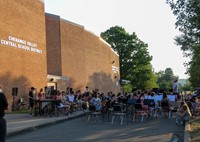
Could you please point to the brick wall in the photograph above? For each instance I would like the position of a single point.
(99, 64)
(73, 54)
(54, 64)
(24, 20)
(85, 58)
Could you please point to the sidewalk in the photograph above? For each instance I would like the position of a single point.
(20, 123)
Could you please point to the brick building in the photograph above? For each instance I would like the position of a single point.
(22, 46)
(79, 57)
(39, 50)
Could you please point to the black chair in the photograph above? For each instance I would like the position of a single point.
(130, 108)
(93, 112)
(118, 111)
(131, 101)
(165, 108)
(149, 102)
(140, 111)
(85, 109)
(151, 106)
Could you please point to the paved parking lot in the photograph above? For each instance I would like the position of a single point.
(78, 130)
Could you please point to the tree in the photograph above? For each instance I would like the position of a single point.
(127, 88)
(187, 14)
(187, 86)
(166, 79)
(134, 57)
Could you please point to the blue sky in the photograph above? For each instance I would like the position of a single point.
(151, 20)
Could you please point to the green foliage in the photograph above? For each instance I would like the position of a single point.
(187, 14)
(127, 88)
(134, 57)
(186, 87)
(166, 79)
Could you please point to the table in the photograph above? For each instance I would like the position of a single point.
(41, 104)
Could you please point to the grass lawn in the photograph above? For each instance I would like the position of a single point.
(195, 130)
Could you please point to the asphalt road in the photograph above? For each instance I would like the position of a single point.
(78, 130)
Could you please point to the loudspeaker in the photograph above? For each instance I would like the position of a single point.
(14, 91)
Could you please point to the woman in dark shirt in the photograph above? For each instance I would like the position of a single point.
(31, 100)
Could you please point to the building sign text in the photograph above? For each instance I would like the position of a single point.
(21, 44)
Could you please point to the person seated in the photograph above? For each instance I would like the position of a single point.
(193, 106)
(71, 97)
(135, 95)
(79, 102)
(183, 115)
(120, 97)
(63, 104)
(150, 100)
(96, 101)
(165, 105)
(141, 101)
(64, 107)
(21, 103)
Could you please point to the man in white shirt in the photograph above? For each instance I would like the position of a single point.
(71, 97)
(175, 87)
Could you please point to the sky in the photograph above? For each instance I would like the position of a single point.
(151, 20)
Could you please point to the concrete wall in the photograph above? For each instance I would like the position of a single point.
(22, 46)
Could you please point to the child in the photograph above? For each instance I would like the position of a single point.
(184, 115)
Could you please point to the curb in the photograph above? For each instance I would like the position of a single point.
(34, 128)
(187, 132)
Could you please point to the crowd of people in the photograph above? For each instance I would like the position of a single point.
(69, 101)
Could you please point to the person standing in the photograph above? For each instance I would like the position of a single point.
(3, 107)
(40, 95)
(31, 100)
(175, 90)
(175, 87)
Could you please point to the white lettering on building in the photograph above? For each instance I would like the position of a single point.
(115, 69)
(21, 44)
(8, 43)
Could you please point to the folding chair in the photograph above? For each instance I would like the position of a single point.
(165, 108)
(130, 109)
(93, 112)
(118, 112)
(140, 111)
(151, 106)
